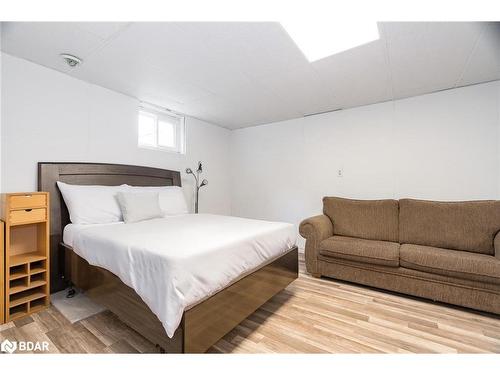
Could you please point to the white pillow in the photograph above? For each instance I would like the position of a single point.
(92, 204)
(138, 206)
(172, 200)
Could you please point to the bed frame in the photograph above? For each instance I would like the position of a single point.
(203, 324)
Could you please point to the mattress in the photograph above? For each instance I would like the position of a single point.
(176, 262)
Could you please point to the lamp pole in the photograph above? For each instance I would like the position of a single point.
(198, 185)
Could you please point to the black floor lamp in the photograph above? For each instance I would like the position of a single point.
(198, 184)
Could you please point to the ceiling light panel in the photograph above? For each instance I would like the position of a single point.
(318, 40)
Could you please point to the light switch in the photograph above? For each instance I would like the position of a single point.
(340, 173)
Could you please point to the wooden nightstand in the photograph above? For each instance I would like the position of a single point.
(27, 274)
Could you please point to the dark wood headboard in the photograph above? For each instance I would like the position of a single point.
(89, 174)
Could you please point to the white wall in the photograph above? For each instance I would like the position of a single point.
(50, 116)
(437, 146)
(442, 146)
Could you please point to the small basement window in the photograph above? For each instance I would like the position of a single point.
(161, 130)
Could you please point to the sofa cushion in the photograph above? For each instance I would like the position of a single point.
(367, 251)
(368, 219)
(460, 264)
(469, 226)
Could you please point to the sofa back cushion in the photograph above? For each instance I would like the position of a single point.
(469, 226)
(368, 219)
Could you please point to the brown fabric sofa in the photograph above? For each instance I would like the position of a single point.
(445, 251)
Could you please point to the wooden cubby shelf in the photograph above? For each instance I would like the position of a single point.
(19, 259)
(37, 305)
(22, 288)
(24, 297)
(18, 311)
(37, 270)
(18, 272)
(26, 246)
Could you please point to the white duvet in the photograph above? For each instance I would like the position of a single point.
(176, 262)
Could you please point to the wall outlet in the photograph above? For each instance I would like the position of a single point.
(340, 173)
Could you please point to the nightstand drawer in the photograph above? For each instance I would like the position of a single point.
(28, 215)
(28, 200)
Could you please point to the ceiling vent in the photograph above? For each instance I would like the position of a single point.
(71, 60)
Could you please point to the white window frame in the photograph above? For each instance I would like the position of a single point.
(179, 130)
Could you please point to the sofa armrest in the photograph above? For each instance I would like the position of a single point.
(496, 244)
(315, 229)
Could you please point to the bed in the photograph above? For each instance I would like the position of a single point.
(228, 267)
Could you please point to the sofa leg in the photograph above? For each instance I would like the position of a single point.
(317, 275)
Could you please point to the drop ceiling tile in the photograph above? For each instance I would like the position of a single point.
(301, 89)
(103, 30)
(219, 80)
(233, 54)
(484, 64)
(42, 42)
(175, 52)
(359, 75)
(169, 86)
(138, 79)
(112, 66)
(209, 106)
(428, 56)
(160, 44)
(161, 100)
(243, 109)
(256, 48)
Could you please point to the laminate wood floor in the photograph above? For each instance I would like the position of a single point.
(310, 316)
